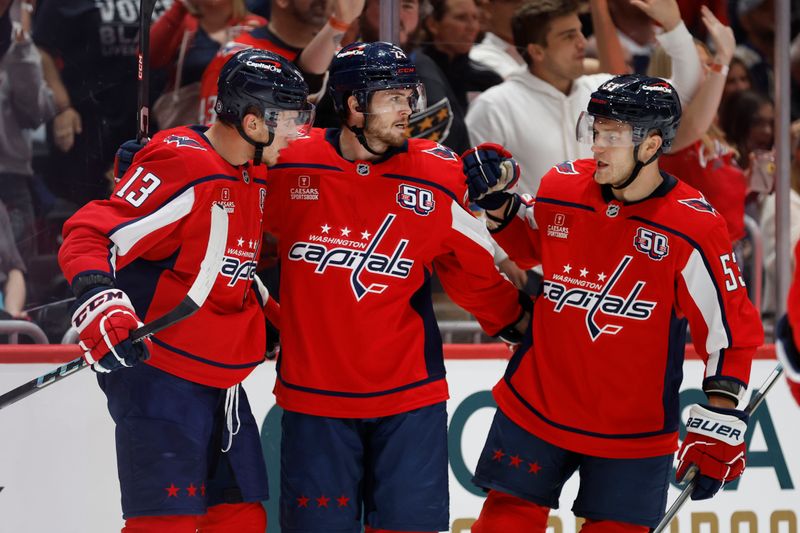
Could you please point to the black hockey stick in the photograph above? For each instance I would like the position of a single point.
(143, 75)
(198, 292)
(755, 401)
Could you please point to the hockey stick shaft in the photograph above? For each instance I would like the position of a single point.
(143, 72)
(198, 292)
(755, 401)
(49, 304)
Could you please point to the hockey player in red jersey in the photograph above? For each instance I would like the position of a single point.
(363, 216)
(188, 448)
(629, 255)
(788, 334)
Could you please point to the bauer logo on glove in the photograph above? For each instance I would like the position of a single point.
(715, 445)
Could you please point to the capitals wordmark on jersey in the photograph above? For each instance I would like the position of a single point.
(356, 256)
(596, 298)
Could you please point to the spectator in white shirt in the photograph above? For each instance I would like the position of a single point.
(496, 50)
(534, 112)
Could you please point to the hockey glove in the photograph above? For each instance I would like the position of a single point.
(124, 157)
(715, 444)
(104, 318)
(490, 171)
(788, 355)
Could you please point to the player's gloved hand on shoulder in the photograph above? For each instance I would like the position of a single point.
(124, 157)
(788, 355)
(104, 318)
(491, 171)
(715, 444)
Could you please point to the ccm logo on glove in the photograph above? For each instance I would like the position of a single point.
(102, 300)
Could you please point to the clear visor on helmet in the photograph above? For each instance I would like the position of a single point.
(603, 132)
(290, 123)
(397, 100)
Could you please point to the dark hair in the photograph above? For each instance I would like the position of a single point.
(736, 115)
(531, 22)
(437, 9)
(738, 61)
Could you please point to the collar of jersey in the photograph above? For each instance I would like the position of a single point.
(332, 136)
(667, 184)
(200, 130)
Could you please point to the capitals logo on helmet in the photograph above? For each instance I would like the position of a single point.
(259, 79)
(647, 104)
(360, 69)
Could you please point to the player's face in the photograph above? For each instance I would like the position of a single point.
(565, 48)
(613, 151)
(388, 116)
(286, 126)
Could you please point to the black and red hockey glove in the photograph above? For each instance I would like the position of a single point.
(491, 171)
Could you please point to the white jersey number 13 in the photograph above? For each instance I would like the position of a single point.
(149, 183)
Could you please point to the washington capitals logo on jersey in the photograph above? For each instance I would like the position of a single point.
(441, 152)
(361, 258)
(184, 141)
(596, 299)
(238, 269)
(699, 204)
(651, 243)
(416, 199)
(566, 168)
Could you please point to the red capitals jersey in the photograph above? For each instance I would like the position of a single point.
(793, 303)
(601, 375)
(258, 38)
(358, 243)
(151, 235)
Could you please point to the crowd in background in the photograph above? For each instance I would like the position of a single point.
(493, 70)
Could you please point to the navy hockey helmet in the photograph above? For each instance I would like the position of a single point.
(647, 104)
(259, 79)
(255, 80)
(360, 69)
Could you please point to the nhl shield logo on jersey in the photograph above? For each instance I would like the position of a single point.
(416, 199)
(612, 210)
(362, 169)
(183, 141)
(651, 243)
(699, 204)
